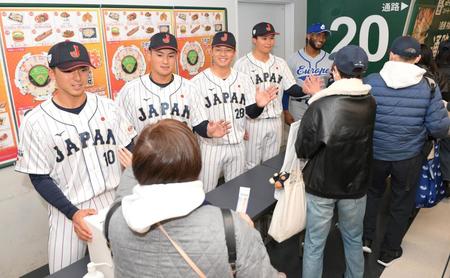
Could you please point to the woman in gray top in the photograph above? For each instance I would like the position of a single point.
(166, 163)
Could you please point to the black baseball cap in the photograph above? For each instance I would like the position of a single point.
(163, 40)
(263, 29)
(68, 55)
(406, 46)
(224, 39)
(351, 60)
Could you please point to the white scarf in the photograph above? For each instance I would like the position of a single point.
(346, 86)
(150, 204)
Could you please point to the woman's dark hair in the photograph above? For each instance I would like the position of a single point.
(426, 58)
(443, 56)
(166, 152)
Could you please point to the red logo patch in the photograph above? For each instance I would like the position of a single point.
(224, 38)
(268, 28)
(102, 119)
(166, 39)
(75, 53)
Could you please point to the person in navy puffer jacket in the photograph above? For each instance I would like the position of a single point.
(407, 112)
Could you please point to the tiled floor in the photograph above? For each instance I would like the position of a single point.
(426, 246)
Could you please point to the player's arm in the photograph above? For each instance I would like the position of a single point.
(294, 91)
(253, 111)
(199, 118)
(288, 118)
(48, 189)
(210, 129)
(262, 98)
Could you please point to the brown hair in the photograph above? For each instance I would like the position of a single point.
(166, 152)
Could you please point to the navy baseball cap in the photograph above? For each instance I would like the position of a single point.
(317, 28)
(224, 39)
(263, 29)
(163, 40)
(406, 46)
(68, 55)
(351, 60)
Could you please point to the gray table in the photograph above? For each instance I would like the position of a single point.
(275, 162)
(75, 270)
(261, 193)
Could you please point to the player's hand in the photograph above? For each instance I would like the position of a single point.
(288, 118)
(247, 219)
(312, 85)
(218, 129)
(246, 135)
(79, 226)
(262, 98)
(125, 157)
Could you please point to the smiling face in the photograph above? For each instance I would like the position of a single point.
(317, 40)
(264, 44)
(72, 83)
(222, 56)
(163, 62)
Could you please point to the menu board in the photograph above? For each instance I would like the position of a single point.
(431, 24)
(127, 33)
(194, 32)
(8, 146)
(27, 35)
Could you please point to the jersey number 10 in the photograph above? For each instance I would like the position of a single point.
(110, 158)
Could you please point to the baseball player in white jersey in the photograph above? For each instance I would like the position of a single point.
(225, 94)
(266, 70)
(159, 94)
(69, 147)
(310, 60)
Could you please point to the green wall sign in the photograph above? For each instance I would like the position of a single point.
(373, 25)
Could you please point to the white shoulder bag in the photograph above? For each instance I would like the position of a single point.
(289, 216)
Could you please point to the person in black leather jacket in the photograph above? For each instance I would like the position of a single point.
(335, 136)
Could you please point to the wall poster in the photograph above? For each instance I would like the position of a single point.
(127, 34)
(194, 31)
(8, 140)
(27, 35)
(430, 22)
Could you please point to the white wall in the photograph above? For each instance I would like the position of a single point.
(295, 24)
(23, 214)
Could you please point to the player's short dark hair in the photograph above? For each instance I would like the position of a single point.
(166, 152)
(357, 74)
